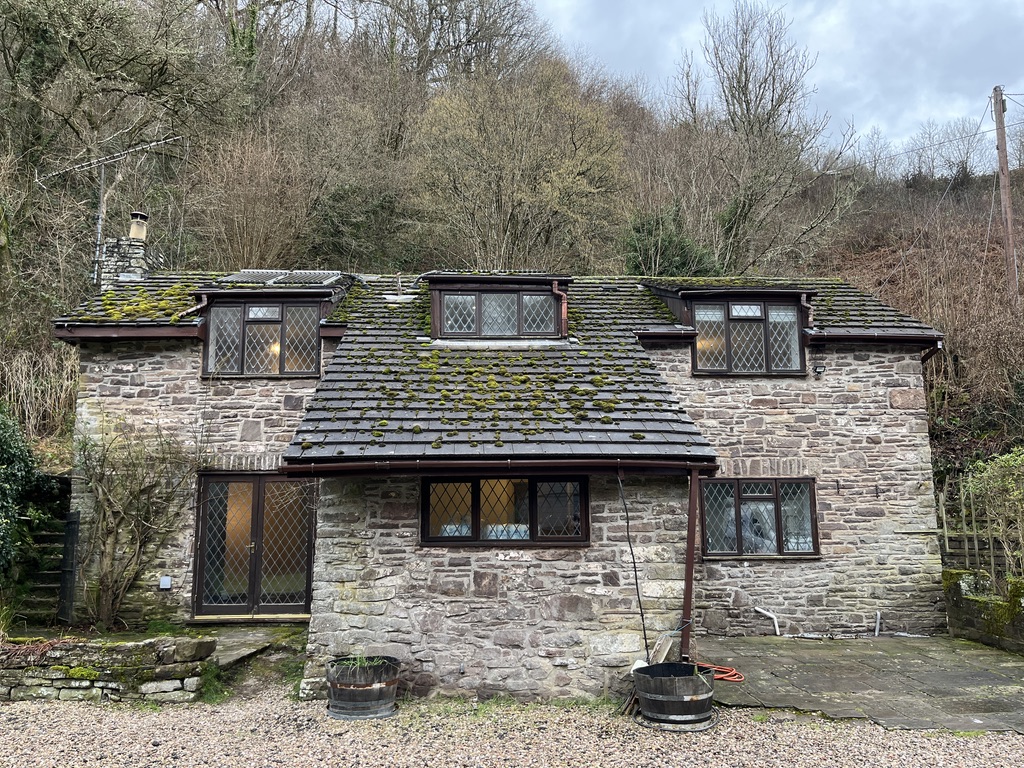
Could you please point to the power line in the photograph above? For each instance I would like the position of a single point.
(953, 140)
(935, 211)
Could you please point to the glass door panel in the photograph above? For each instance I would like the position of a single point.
(228, 546)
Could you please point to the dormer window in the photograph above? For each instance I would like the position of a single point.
(498, 314)
(747, 336)
(263, 339)
(498, 306)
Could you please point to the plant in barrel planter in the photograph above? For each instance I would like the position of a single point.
(676, 695)
(362, 687)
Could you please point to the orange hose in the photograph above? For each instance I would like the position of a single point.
(726, 674)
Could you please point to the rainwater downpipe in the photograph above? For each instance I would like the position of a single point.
(772, 616)
(203, 301)
(691, 549)
(564, 302)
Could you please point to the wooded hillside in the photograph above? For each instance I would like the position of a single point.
(408, 135)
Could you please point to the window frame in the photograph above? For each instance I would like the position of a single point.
(475, 539)
(241, 335)
(731, 320)
(739, 497)
(477, 332)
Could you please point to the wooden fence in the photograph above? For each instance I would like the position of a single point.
(968, 539)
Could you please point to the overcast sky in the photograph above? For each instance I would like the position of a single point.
(887, 63)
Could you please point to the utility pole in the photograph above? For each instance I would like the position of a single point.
(1010, 253)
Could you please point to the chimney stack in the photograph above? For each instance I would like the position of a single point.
(124, 258)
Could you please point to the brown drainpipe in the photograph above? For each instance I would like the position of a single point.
(565, 307)
(691, 550)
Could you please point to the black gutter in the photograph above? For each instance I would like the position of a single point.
(73, 333)
(923, 339)
(477, 467)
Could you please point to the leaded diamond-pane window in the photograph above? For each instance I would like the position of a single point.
(224, 349)
(758, 517)
(498, 314)
(747, 337)
(257, 312)
(719, 518)
(263, 339)
(558, 509)
(227, 546)
(709, 320)
(451, 510)
(504, 511)
(301, 339)
(783, 338)
(285, 544)
(459, 314)
(263, 348)
(740, 311)
(747, 347)
(797, 531)
(255, 537)
(538, 314)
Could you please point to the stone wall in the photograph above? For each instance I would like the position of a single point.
(529, 622)
(977, 614)
(234, 424)
(861, 430)
(166, 670)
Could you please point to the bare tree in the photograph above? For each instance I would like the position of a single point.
(252, 202)
(441, 40)
(876, 156)
(522, 171)
(139, 482)
(748, 122)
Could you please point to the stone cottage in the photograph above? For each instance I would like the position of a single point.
(491, 476)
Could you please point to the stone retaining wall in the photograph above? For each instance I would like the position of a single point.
(166, 669)
(976, 614)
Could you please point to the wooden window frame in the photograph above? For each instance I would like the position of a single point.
(475, 538)
(738, 497)
(258, 483)
(438, 326)
(726, 305)
(241, 335)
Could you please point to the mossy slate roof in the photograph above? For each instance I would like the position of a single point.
(158, 299)
(392, 394)
(162, 299)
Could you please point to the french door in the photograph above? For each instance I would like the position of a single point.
(255, 546)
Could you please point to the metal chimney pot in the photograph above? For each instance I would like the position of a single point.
(139, 227)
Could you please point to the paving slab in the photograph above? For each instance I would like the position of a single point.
(896, 681)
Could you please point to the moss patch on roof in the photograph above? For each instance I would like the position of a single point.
(160, 299)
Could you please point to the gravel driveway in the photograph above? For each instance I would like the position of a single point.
(267, 728)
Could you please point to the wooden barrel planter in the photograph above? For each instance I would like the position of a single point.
(362, 687)
(675, 693)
